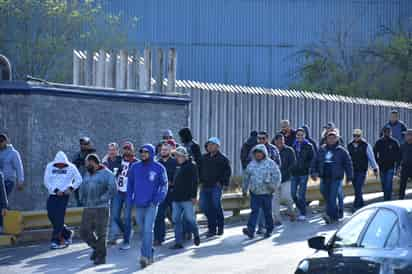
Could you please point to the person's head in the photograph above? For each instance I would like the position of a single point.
(330, 126)
(113, 150)
(185, 135)
(128, 149)
(387, 131)
(171, 143)
(92, 163)
(84, 143)
(300, 135)
(147, 152)
(279, 141)
(4, 140)
(332, 138)
(394, 116)
(259, 152)
(213, 145)
(357, 135)
(181, 155)
(284, 126)
(253, 134)
(165, 150)
(263, 137)
(408, 136)
(167, 135)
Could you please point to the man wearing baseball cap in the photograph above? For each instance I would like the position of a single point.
(215, 175)
(331, 164)
(406, 163)
(362, 157)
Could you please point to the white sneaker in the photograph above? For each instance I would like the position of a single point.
(125, 246)
(301, 218)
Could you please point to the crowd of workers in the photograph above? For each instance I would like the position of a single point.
(163, 183)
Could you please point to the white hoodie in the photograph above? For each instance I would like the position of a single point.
(60, 174)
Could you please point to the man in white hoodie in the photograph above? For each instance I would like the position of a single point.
(61, 178)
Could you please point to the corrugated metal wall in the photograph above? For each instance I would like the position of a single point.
(250, 42)
(231, 112)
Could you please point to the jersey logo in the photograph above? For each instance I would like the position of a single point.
(152, 176)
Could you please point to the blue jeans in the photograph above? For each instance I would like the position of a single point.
(211, 205)
(257, 203)
(145, 219)
(358, 182)
(386, 181)
(116, 222)
(160, 223)
(9, 185)
(298, 191)
(341, 197)
(184, 211)
(330, 190)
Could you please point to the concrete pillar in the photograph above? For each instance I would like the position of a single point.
(110, 70)
(171, 71)
(142, 74)
(117, 78)
(148, 69)
(160, 69)
(88, 71)
(123, 69)
(76, 67)
(94, 69)
(131, 72)
(100, 66)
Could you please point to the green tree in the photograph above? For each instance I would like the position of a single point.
(38, 36)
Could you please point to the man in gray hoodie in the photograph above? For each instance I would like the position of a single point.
(11, 167)
(262, 178)
(96, 192)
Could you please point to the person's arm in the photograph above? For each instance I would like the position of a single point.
(227, 172)
(276, 176)
(245, 181)
(195, 182)
(314, 170)
(398, 155)
(130, 183)
(161, 191)
(292, 160)
(371, 158)
(110, 188)
(348, 165)
(196, 153)
(77, 178)
(18, 165)
(244, 156)
(375, 151)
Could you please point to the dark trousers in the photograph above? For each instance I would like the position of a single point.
(56, 211)
(211, 205)
(160, 223)
(329, 189)
(9, 185)
(77, 198)
(93, 229)
(387, 181)
(406, 174)
(358, 182)
(257, 203)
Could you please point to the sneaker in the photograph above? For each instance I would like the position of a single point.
(220, 231)
(301, 218)
(57, 246)
(125, 246)
(277, 223)
(196, 240)
(267, 235)
(99, 261)
(176, 246)
(144, 262)
(247, 233)
(210, 234)
(326, 218)
(69, 240)
(340, 214)
(260, 231)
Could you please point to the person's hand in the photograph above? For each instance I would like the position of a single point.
(194, 201)
(20, 186)
(244, 194)
(60, 193)
(4, 212)
(376, 172)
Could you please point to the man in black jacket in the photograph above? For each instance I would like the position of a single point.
(250, 143)
(331, 164)
(406, 163)
(387, 153)
(190, 144)
(215, 174)
(288, 158)
(362, 156)
(300, 171)
(184, 197)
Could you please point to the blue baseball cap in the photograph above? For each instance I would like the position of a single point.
(213, 140)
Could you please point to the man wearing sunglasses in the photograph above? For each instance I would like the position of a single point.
(146, 189)
(362, 157)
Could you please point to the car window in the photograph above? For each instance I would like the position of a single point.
(379, 229)
(348, 235)
(393, 239)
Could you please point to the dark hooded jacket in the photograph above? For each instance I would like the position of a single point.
(250, 143)
(214, 170)
(190, 144)
(310, 140)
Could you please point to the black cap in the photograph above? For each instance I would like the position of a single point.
(85, 140)
(394, 111)
(4, 136)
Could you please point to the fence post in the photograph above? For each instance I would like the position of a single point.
(76, 67)
(100, 73)
(142, 74)
(160, 69)
(110, 69)
(88, 71)
(148, 69)
(171, 71)
(123, 69)
(131, 77)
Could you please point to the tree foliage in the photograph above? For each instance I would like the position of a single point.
(382, 69)
(38, 36)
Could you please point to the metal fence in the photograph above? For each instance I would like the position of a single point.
(231, 112)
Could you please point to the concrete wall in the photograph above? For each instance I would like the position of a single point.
(42, 120)
(231, 112)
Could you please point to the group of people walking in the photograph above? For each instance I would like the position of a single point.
(163, 182)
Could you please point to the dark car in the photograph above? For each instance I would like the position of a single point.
(377, 239)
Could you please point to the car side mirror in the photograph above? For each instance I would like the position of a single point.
(317, 243)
